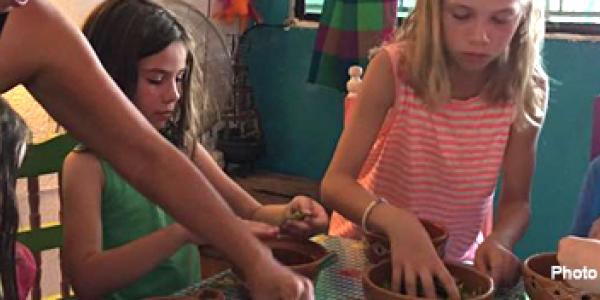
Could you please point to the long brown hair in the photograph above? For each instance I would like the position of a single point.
(13, 136)
(122, 32)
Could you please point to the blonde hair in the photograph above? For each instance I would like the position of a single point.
(518, 74)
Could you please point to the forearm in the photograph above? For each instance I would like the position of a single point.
(82, 97)
(274, 214)
(108, 271)
(345, 195)
(238, 199)
(511, 222)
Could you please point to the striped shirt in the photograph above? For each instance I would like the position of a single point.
(442, 165)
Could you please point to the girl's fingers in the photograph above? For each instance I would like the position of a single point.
(427, 284)
(410, 281)
(481, 264)
(447, 282)
(396, 277)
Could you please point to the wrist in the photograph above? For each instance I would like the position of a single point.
(256, 261)
(179, 232)
(385, 214)
(501, 240)
(274, 214)
(368, 211)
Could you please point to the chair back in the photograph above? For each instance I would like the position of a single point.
(42, 159)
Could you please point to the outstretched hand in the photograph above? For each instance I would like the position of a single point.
(418, 264)
(414, 259)
(272, 281)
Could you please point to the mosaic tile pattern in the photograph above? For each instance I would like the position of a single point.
(339, 280)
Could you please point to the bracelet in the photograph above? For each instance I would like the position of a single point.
(367, 212)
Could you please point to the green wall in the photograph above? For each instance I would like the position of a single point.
(302, 121)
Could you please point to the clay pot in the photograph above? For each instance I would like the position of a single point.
(379, 246)
(375, 277)
(202, 294)
(304, 257)
(540, 286)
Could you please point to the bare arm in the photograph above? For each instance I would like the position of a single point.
(240, 201)
(514, 205)
(339, 188)
(96, 272)
(416, 260)
(248, 208)
(39, 47)
(495, 255)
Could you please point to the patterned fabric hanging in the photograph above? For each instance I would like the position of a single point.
(348, 29)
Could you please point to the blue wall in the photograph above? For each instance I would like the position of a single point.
(302, 121)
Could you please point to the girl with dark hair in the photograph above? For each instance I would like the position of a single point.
(119, 245)
(42, 50)
(17, 267)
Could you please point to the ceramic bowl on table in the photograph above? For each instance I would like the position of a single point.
(539, 284)
(304, 257)
(472, 283)
(379, 246)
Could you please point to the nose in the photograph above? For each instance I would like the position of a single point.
(172, 91)
(479, 33)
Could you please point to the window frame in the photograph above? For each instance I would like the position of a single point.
(552, 26)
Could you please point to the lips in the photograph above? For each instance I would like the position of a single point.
(164, 115)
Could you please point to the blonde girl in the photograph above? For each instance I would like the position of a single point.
(458, 99)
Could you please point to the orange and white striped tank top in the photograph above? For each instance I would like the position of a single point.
(442, 165)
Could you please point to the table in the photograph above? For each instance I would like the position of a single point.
(340, 279)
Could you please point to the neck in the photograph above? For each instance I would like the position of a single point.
(467, 84)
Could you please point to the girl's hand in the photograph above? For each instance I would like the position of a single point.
(304, 217)
(414, 258)
(499, 262)
(271, 281)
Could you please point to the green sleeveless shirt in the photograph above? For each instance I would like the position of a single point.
(127, 216)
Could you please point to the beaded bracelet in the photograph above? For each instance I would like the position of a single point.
(367, 212)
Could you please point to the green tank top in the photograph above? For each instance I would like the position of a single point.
(127, 216)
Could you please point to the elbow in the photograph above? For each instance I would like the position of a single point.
(84, 290)
(83, 284)
(328, 189)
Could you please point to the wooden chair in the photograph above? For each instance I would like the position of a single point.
(41, 159)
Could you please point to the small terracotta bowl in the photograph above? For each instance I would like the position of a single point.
(539, 284)
(376, 277)
(379, 246)
(304, 257)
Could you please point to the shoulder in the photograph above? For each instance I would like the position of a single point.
(381, 63)
(397, 58)
(81, 163)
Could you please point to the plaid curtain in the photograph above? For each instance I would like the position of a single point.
(348, 29)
